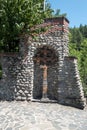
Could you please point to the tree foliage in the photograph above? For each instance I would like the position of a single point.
(18, 16)
(58, 13)
(76, 37)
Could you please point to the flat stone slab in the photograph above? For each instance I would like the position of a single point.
(44, 100)
(41, 116)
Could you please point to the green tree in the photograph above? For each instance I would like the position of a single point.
(17, 17)
(83, 30)
(48, 11)
(57, 13)
(83, 64)
(74, 52)
(77, 37)
(82, 59)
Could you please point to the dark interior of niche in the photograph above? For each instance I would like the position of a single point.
(0, 71)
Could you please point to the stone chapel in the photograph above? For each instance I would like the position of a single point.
(42, 70)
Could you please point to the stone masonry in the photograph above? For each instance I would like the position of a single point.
(22, 77)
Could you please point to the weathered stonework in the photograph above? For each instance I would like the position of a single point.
(22, 77)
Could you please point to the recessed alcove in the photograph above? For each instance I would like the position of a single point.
(45, 55)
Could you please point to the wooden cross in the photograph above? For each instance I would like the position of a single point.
(44, 92)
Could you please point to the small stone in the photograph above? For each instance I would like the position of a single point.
(26, 92)
(23, 98)
(20, 91)
(18, 98)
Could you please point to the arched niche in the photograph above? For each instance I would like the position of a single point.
(45, 55)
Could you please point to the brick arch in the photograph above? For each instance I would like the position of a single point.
(47, 43)
(45, 55)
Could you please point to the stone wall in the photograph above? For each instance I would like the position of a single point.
(22, 78)
(8, 78)
(16, 79)
(70, 89)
